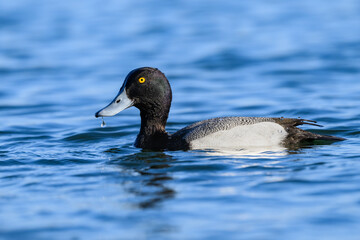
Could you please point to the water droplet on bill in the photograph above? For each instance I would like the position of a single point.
(103, 123)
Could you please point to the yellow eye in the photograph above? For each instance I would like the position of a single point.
(141, 80)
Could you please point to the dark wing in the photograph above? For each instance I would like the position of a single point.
(295, 122)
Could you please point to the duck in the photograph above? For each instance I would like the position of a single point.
(149, 90)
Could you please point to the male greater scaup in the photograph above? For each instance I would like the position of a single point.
(149, 90)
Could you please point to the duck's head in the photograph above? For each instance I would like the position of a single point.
(145, 88)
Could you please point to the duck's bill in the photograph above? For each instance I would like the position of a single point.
(121, 102)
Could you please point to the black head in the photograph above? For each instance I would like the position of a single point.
(145, 88)
(148, 88)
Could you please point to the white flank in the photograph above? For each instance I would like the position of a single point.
(264, 134)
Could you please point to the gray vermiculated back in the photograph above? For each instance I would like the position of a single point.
(206, 127)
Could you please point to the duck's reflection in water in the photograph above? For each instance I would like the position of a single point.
(252, 153)
(145, 176)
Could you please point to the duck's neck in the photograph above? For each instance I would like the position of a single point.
(152, 133)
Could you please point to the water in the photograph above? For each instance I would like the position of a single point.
(62, 176)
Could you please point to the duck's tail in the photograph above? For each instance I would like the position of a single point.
(315, 136)
(300, 136)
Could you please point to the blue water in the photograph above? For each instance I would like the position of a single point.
(62, 176)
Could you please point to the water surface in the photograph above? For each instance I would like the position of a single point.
(62, 176)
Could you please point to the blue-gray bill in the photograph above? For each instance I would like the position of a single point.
(120, 103)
